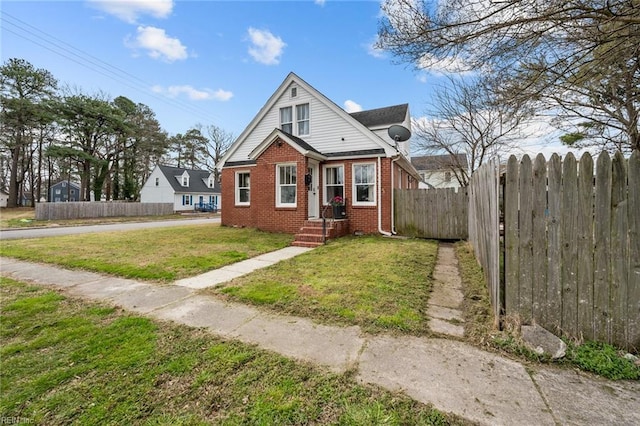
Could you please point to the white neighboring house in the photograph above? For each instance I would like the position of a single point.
(187, 189)
(439, 171)
(4, 198)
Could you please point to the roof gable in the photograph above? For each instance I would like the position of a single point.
(363, 133)
(297, 143)
(198, 179)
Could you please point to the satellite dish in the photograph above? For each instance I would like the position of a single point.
(399, 133)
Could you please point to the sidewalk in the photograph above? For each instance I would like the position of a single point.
(453, 376)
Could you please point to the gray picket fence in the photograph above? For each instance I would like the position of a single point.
(432, 213)
(572, 245)
(86, 209)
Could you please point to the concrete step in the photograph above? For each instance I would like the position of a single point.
(309, 244)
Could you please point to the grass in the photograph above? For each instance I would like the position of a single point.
(379, 283)
(598, 358)
(156, 254)
(66, 361)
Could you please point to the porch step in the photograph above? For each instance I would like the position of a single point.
(310, 234)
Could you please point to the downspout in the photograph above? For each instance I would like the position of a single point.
(388, 234)
(393, 226)
(393, 220)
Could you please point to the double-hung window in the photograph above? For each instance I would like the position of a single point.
(242, 188)
(364, 184)
(286, 119)
(187, 200)
(286, 185)
(301, 120)
(333, 182)
(302, 117)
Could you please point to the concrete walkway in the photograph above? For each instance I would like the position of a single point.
(453, 376)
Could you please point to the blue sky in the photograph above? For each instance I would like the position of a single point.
(212, 62)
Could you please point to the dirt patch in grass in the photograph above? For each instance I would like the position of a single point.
(154, 254)
(67, 361)
(379, 283)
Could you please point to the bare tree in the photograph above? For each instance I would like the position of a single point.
(578, 55)
(464, 118)
(219, 141)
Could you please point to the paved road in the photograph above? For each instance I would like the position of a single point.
(13, 234)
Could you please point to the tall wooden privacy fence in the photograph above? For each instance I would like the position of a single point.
(82, 210)
(484, 228)
(432, 213)
(572, 245)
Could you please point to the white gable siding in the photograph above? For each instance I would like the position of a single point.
(327, 127)
(150, 193)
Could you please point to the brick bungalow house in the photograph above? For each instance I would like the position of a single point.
(301, 151)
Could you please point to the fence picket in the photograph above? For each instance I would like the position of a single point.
(619, 253)
(602, 250)
(633, 295)
(554, 244)
(539, 239)
(569, 247)
(584, 235)
(525, 267)
(511, 236)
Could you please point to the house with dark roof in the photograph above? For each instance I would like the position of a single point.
(187, 189)
(302, 154)
(63, 191)
(442, 171)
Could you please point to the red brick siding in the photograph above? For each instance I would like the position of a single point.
(262, 212)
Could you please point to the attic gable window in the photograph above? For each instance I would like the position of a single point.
(286, 119)
(302, 116)
(185, 179)
(294, 92)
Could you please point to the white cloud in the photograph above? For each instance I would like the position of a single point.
(158, 44)
(129, 10)
(265, 47)
(193, 93)
(351, 106)
(372, 50)
(444, 66)
(320, 2)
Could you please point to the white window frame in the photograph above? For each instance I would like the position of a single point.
(238, 188)
(355, 185)
(279, 185)
(307, 120)
(325, 199)
(185, 180)
(187, 199)
(287, 123)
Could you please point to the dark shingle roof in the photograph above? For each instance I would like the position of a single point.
(197, 180)
(382, 116)
(440, 162)
(302, 143)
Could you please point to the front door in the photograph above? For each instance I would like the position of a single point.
(313, 190)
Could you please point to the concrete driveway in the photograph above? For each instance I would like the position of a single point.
(18, 233)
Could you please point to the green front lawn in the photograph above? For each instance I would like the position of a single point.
(65, 361)
(155, 254)
(381, 284)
